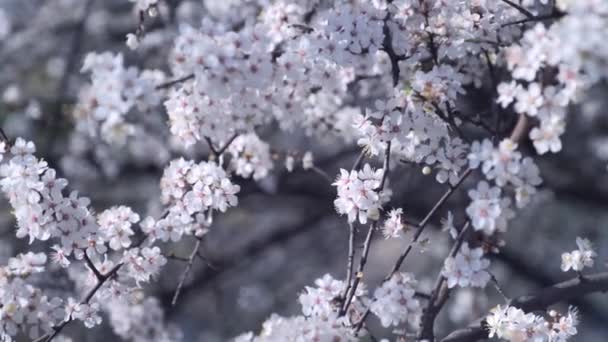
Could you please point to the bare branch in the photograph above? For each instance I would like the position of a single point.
(184, 275)
(92, 267)
(169, 84)
(359, 275)
(521, 9)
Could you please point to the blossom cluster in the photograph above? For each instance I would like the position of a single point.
(191, 191)
(393, 226)
(26, 308)
(488, 211)
(467, 268)
(311, 65)
(41, 209)
(505, 165)
(320, 320)
(541, 50)
(115, 91)
(513, 324)
(44, 213)
(359, 194)
(395, 302)
(580, 258)
(320, 301)
(250, 156)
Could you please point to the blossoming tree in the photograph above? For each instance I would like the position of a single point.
(470, 92)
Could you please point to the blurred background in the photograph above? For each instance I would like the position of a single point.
(285, 233)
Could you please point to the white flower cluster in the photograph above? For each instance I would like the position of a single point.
(250, 156)
(575, 68)
(395, 302)
(460, 29)
(393, 226)
(40, 207)
(415, 133)
(300, 328)
(43, 213)
(513, 324)
(356, 28)
(115, 224)
(488, 211)
(87, 313)
(190, 190)
(321, 302)
(467, 268)
(505, 166)
(25, 308)
(359, 195)
(114, 91)
(580, 258)
(143, 263)
(320, 320)
(26, 264)
(140, 321)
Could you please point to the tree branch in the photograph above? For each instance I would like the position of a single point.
(186, 271)
(440, 293)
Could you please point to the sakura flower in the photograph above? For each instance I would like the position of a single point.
(529, 100)
(358, 194)
(393, 226)
(580, 258)
(88, 313)
(546, 137)
(507, 93)
(467, 268)
(485, 209)
(115, 224)
(251, 156)
(395, 302)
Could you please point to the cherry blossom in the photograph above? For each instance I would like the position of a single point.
(394, 301)
(580, 258)
(358, 194)
(467, 268)
(393, 226)
(513, 324)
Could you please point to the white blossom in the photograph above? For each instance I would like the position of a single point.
(580, 258)
(467, 268)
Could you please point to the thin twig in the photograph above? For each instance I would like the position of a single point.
(422, 225)
(358, 161)
(521, 9)
(92, 267)
(555, 15)
(322, 173)
(184, 275)
(359, 275)
(351, 259)
(57, 329)
(169, 84)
